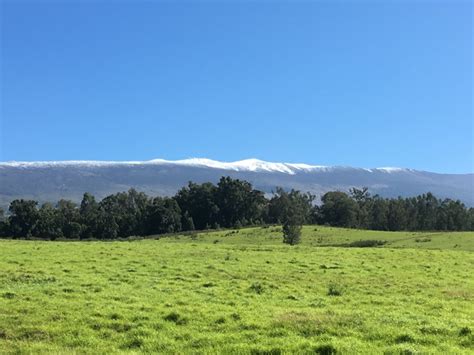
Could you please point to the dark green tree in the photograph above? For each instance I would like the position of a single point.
(4, 226)
(104, 225)
(89, 216)
(292, 209)
(397, 215)
(239, 204)
(379, 214)
(187, 222)
(338, 209)
(68, 214)
(282, 202)
(427, 206)
(163, 216)
(363, 199)
(199, 201)
(129, 211)
(49, 224)
(23, 217)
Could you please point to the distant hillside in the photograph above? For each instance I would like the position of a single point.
(51, 181)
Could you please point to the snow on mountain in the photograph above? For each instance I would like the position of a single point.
(252, 165)
(49, 181)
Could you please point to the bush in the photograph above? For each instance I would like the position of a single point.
(291, 233)
(404, 338)
(8, 295)
(275, 351)
(256, 287)
(134, 343)
(366, 243)
(220, 320)
(326, 349)
(335, 289)
(175, 318)
(235, 316)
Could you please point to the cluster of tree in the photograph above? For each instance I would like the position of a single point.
(229, 203)
(359, 209)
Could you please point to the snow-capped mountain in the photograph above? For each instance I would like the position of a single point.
(53, 180)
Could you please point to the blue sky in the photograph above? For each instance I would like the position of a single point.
(365, 84)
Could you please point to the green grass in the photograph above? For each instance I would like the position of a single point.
(240, 292)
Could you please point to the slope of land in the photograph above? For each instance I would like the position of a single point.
(240, 292)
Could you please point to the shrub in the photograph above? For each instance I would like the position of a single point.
(8, 295)
(175, 318)
(115, 316)
(335, 289)
(291, 233)
(366, 243)
(134, 343)
(220, 320)
(275, 351)
(235, 316)
(256, 287)
(404, 338)
(465, 331)
(326, 349)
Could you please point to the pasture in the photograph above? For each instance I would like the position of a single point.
(241, 291)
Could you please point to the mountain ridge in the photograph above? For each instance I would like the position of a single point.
(251, 164)
(55, 180)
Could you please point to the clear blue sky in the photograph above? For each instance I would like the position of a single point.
(355, 83)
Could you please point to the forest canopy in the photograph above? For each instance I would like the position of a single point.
(231, 203)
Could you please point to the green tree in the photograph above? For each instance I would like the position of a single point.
(89, 213)
(163, 216)
(187, 222)
(4, 226)
(238, 203)
(397, 215)
(452, 215)
(427, 206)
(282, 202)
(104, 225)
(199, 201)
(23, 217)
(470, 219)
(291, 232)
(338, 209)
(379, 214)
(292, 209)
(68, 214)
(363, 200)
(49, 224)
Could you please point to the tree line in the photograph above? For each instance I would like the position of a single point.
(231, 203)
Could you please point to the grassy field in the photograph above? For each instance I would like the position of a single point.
(240, 292)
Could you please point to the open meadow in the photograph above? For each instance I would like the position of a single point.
(241, 291)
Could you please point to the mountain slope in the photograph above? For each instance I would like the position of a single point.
(51, 181)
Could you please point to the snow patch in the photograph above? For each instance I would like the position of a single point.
(391, 169)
